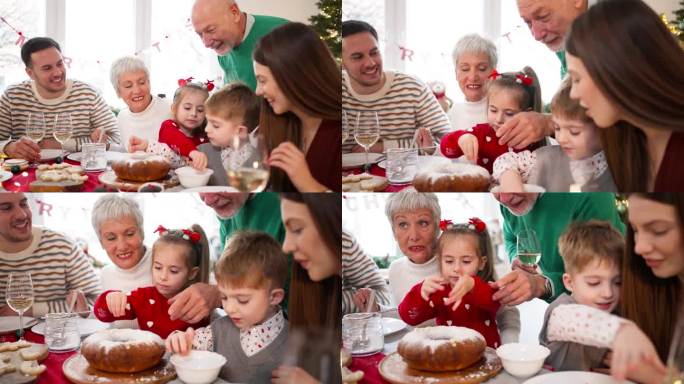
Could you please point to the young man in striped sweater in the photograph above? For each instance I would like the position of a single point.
(408, 112)
(49, 92)
(58, 267)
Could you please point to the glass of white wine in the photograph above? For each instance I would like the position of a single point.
(63, 128)
(367, 130)
(345, 126)
(529, 250)
(248, 169)
(35, 128)
(20, 295)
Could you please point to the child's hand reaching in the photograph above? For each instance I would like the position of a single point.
(136, 144)
(633, 350)
(199, 160)
(464, 285)
(116, 303)
(431, 285)
(511, 182)
(180, 342)
(469, 146)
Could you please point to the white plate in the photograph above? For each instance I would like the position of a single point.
(212, 189)
(11, 323)
(531, 188)
(423, 161)
(110, 155)
(4, 175)
(85, 326)
(574, 377)
(391, 325)
(50, 154)
(355, 160)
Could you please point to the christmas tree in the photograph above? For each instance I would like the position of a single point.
(679, 22)
(328, 24)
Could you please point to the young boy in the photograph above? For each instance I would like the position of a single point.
(592, 254)
(232, 115)
(250, 275)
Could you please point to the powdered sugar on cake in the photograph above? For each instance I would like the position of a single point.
(433, 337)
(117, 337)
(455, 169)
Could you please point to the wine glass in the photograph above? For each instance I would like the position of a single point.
(247, 163)
(675, 359)
(529, 250)
(367, 131)
(345, 126)
(63, 128)
(20, 295)
(35, 128)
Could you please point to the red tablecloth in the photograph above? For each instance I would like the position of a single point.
(369, 366)
(53, 374)
(20, 182)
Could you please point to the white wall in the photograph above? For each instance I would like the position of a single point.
(294, 10)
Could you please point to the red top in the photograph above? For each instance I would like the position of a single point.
(669, 177)
(476, 311)
(487, 142)
(170, 134)
(324, 156)
(150, 308)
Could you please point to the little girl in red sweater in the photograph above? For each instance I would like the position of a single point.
(507, 94)
(460, 295)
(180, 257)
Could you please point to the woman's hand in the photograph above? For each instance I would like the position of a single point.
(633, 351)
(116, 303)
(431, 285)
(360, 299)
(290, 159)
(136, 144)
(180, 342)
(289, 375)
(469, 146)
(79, 302)
(464, 285)
(199, 160)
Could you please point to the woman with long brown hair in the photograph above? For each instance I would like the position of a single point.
(301, 109)
(313, 234)
(651, 296)
(627, 69)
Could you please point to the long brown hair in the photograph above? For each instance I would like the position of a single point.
(639, 67)
(315, 305)
(306, 73)
(529, 95)
(484, 247)
(196, 252)
(643, 295)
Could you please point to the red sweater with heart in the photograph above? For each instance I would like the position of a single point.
(476, 311)
(170, 134)
(150, 308)
(488, 147)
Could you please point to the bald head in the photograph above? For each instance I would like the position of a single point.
(219, 23)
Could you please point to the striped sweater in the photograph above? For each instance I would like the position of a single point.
(403, 104)
(359, 271)
(87, 108)
(56, 265)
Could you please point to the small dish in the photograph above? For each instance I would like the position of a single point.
(356, 160)
(391, 325)
(522, 360)
(198, 367)
(190, 177)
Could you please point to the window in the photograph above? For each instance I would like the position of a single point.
(28, 17)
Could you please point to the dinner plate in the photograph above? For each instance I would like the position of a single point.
(356, 160)
(85, 326)
(50, 154)
(110, 155)
(574, 377)
(11, 323)
(4, 175)
(211, 189)
(423, 161)
(391, 325)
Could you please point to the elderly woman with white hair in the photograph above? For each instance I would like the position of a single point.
(414, 218)
(144, 113)
(474, 58)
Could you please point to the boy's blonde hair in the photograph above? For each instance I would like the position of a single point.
(235, 100)
(584, 242)
(562, 105)
(484, 247)
(252, 260)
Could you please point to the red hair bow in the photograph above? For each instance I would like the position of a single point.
(210, 85)
(524, 79)
(444, 224)
(478, 225)
(494, 75)
(184, 82)
(191, 235)
(160, 229)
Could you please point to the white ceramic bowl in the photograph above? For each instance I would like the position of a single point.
(198, 367)
(522, 360)
(190, 177)
(530, 188)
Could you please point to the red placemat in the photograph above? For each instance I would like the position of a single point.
(53, 373)
(20, 182)
(369, 366)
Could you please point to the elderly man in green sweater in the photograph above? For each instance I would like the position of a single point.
(548, 214)
(233, 34)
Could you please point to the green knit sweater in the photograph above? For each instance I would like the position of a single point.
(237, 64)
(551, 215)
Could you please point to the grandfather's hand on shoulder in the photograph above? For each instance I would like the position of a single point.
(194, 303)
(517, 287)
(525, 128)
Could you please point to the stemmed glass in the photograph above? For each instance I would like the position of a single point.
(529, 250)
(345, 126)
(675, 359)
(63, 128)
(20, 295)
(367, 131)
(35, 128)
(248, 169)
